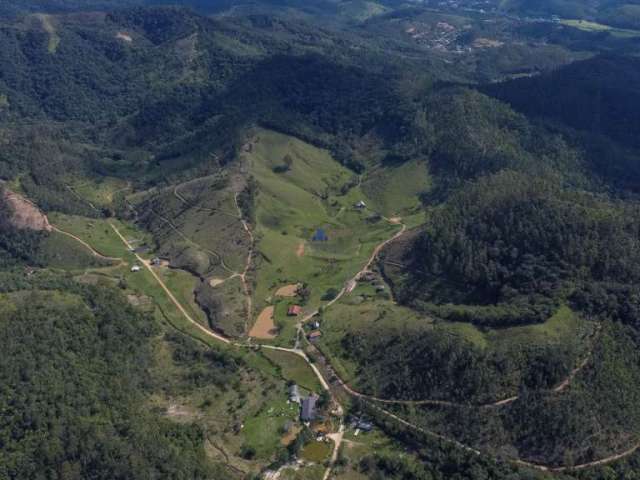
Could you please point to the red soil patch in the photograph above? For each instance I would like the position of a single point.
(264, 326)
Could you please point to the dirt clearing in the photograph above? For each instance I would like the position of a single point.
(124, 36)
(395, 220)
(214, 282)
(300, 250)
(487, 43)
(290, 436)
(23, 213)
(288, 290)
(264, 327)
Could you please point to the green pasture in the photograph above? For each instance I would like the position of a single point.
(317, 192)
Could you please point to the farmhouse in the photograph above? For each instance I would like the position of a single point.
(315, 335)
(135, 268)
(360, 204)
(294, 310)
(320, 236)
(364, 425)
(308, 413)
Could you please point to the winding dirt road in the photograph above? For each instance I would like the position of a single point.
(566, 383)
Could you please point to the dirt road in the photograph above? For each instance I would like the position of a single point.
(173, 299)
(94, 252)
(337, 441)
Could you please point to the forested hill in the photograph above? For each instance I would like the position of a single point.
(21, 7)
(600, 95)
(174, 86)
(599, 99)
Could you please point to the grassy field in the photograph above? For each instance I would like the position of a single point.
(263, 431)
(361, 10)
(294, 368)
(316, 452)
(588, 26)
(311, 472)
(564, 326)
(99, 192)
(61, 251)
(355, 448)
(316, 192)
(395, 190)
(98, 233)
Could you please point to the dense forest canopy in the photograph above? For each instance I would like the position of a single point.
(74, 371)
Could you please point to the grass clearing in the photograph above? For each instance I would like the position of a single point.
(588, 26)
(565, 325)
(310, 472)
(47, 25)
(97, 232)
(316, 452)
(395, 190)
(294, 368)
(263, 431)
(99, 192)
(62, 251)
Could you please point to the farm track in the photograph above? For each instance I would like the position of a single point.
(247, 267)
(93, 251)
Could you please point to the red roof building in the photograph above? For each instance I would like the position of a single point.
(315, 335)
(294, 310)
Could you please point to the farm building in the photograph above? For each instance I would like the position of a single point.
(294, 393)
(320, 236)
(315, 335)
(308, 413)
(364, 425)
(294, 310)
(360, 204)
(135, 268)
